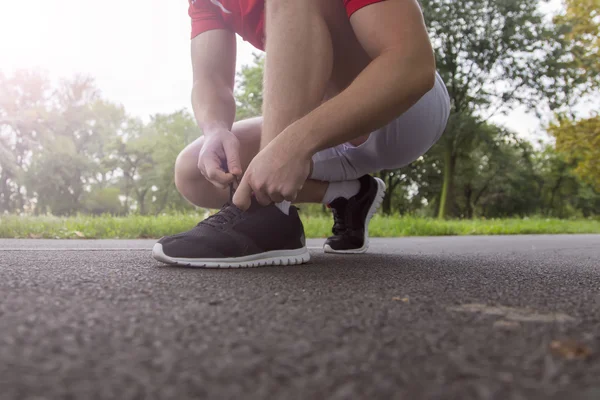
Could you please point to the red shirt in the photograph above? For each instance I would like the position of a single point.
(244, 17)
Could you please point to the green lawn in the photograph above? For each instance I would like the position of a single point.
(315, 226)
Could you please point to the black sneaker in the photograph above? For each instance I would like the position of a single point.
(234, 238)
(351, 217)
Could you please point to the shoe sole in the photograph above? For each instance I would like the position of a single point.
(372, 210)
(279, 257)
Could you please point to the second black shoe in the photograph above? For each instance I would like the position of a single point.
(234, 238)
(352, 216)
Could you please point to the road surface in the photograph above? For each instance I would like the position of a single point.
(417, 318)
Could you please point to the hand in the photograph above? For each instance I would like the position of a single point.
(219, 159)
(276, 174)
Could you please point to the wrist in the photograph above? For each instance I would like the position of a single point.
(213, 128)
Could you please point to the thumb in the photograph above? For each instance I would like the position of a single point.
(232, 155)
(242, 197)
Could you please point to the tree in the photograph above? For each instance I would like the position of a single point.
(103, 201)
(249, 90)
(168, 135)
(562, 194)
(145, 154)
(580, 142)
(414, 188)
(579, 139)
(54, 177)
(25, 104)
(580, 36)
(490, 54)
(132, 157)
(71, 159)
(499, 179)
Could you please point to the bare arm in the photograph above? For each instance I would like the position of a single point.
(403, 69)
(213, 61)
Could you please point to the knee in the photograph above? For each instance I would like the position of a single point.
(186, 170)
(403, 153)
(190, 182)
(248, 130)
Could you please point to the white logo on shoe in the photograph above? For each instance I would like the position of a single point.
(221, 6)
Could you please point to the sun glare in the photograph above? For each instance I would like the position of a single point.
(38, 34)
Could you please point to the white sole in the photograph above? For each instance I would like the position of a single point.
(374, 207)
(279, 257)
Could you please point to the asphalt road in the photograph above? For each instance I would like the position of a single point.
(423, 318)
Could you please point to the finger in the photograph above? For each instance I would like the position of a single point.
(218, 185)
(263, 198)
(242, 196)
(214, 183)
(290, 196)
(232, 154)
(276, 197)
(215, 174)
(236, 182)
(219, 181)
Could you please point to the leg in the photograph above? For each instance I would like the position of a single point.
(395, 145)
(312, 52)
(190, 182)
(198, 191)
(299, 62)
(231, 238)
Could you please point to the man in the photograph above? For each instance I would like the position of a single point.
(350, 89)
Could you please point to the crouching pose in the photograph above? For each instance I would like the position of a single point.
(350, 89)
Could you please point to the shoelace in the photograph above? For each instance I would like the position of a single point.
(227, 213)
(339, 219)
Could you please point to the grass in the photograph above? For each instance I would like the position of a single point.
(135, 226)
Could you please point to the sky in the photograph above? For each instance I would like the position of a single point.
(137, 50)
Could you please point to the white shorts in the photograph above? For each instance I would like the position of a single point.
(395, 145)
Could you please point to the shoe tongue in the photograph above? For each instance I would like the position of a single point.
(339, 203)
